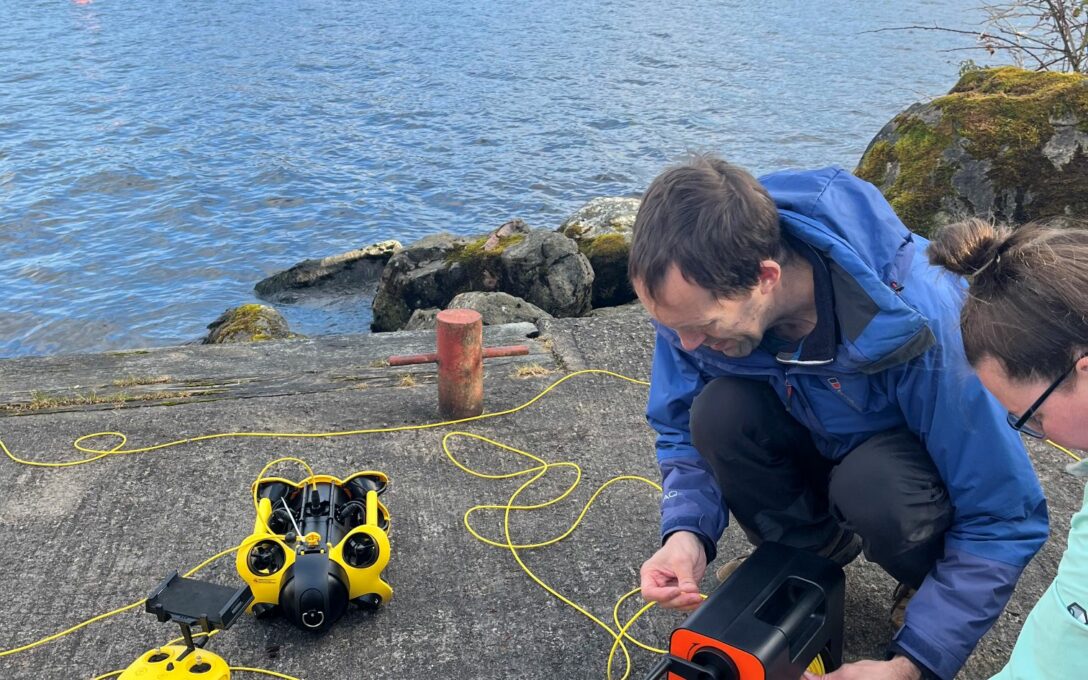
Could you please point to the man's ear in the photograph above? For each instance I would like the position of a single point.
(1081, 367)
(770, 276)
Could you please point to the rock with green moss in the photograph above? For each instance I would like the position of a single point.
(542, 267)
(356, 271)
(248, 323)
(546, 269)
(424, 274)
(602, 230)
(1004, 143)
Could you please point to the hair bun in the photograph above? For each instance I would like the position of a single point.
(967, 247)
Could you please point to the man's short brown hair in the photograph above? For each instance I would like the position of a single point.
(710, 218)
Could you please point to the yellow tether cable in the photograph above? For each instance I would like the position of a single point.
(538, 472)
(54, 636)
(1064, 450)
(97, 454)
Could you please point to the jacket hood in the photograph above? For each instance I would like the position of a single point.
(870, 256)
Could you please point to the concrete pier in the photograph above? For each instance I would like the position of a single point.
(82, 540)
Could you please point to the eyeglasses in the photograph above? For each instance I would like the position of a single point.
(1035, 429)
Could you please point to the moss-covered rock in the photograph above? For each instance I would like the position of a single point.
(1005, 142)
(424, 274)
(542, 267)
(248, 323)
(602, 229)
(546, 269)
(481, 256)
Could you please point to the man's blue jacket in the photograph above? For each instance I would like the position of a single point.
(899, 363)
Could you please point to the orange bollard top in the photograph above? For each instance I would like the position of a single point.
(459, 316)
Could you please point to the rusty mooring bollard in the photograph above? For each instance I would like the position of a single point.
(460, 363)
(460, 358)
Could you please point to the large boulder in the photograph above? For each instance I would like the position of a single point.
(1004, 143)
(602, 230)
(539, 266)
(356, 271)
(248, 323)
(546, 269)
(425, 274)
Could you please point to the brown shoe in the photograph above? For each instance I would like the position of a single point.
(900, 599)
(727, 569)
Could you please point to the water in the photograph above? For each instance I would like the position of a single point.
(158, 159)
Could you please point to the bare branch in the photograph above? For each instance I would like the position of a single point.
(1051, 33)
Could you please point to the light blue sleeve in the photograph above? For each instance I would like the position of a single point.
(1053, 644)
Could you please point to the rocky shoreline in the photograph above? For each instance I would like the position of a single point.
(1004, 144)
(514, 273)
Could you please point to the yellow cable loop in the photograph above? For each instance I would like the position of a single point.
(118, 449)
(536, 473)
(285, 459)
(622, 627)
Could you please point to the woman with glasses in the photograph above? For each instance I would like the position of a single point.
(1025, 331)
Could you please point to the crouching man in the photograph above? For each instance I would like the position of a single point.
(809, 377)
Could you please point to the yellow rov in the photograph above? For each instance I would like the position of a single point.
(317, 544)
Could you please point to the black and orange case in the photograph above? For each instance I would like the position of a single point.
(779, 614)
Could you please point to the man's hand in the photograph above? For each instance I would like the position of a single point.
(671, 577)
(899, 668)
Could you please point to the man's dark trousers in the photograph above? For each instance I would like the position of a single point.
(779, 488)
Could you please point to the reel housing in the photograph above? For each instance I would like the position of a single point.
(317, 545)
(778, 615)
